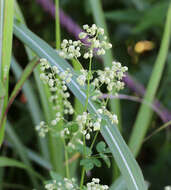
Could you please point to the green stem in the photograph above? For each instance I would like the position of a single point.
(58, 38)
(66, 161)
(82, 177)
(158, 130)
(88, 84)
(145, 114)
(95, 137)
(85, 108)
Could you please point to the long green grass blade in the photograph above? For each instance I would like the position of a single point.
(20, 149)
(1, 29)
(7, 9)
(8, 162)
(125, 160)
(145, 113)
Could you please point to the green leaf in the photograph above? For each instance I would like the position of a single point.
(124, 158)
(73, 127)
(7, 162)
(96, 162)
(87, 164)
(84, 150)
(101, 147)
(106, 159)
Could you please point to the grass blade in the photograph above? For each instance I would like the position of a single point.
(125, 160)
(145, 113)
(6, 35)
(1, 28)
(8, 162)
(18, 147)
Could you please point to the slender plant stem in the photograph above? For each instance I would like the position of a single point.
(145, 114)
(158, 130)
(95, 137)
(58, 38)
(85, 109)
(66, 161)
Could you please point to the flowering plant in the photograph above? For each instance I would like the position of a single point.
(75, 132)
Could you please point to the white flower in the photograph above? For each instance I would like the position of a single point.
(96, 126)
(82, 35)
(70, 49)
(167, 188)
(42, 129)
(86, 55)
(87, 136)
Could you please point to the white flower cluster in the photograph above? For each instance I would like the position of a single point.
(112, 117)
(70, 184)
(66, 75)
(42, 129)
(66, 184)
(70, 49)
(111, 76)
(87, 124)
(95, 36)
(44, 64)
(94, 185)
(57, 84)
(81, 79)
(167, 188)
(57, 119)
